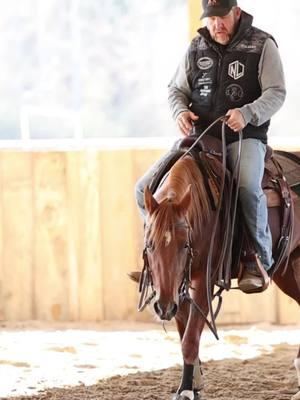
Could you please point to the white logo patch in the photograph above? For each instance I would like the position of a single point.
(205, 63)
(236, 70)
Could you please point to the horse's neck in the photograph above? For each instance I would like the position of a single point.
(183, 174)
(171, 190)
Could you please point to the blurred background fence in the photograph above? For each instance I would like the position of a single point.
(83, 84)
(70, 231)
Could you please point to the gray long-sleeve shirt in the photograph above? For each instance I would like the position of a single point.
(270, 76)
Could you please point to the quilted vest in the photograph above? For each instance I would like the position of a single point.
(226, 77)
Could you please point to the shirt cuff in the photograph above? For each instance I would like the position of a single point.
(247, 114)
(177, 112)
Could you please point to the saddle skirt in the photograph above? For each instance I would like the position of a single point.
(281, 184)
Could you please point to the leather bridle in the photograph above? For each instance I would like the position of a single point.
(224, 263)
(146, 280)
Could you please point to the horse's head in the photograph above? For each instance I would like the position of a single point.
(167, 249)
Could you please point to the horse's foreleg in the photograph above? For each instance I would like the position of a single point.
(192, 381)
(193, 331)
(297, 366)
(198, 376)
(190, 373)
(181, 318)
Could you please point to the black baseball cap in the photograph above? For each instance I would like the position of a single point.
(217, 8)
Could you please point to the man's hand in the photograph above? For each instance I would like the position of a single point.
(184, 121)
(236, 120)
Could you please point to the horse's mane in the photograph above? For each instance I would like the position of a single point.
(185, 172)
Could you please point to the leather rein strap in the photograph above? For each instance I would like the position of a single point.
(225, 257)
(230, 206)
(146, 282)
(283, 249)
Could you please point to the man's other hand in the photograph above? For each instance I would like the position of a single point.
(236, 120)
(184, 121)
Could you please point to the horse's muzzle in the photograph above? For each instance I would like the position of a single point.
(165, 312)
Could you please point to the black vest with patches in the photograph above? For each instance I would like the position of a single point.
(226, 77)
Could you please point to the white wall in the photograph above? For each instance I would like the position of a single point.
(282, 20)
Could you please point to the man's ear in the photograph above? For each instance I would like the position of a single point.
(238, 12)
(150, 203)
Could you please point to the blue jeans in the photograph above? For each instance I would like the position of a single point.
(252, 198)
(144, 181)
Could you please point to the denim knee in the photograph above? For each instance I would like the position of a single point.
(139, 197)
(250, 195)
(139, 191)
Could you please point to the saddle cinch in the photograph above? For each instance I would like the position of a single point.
(281, 184)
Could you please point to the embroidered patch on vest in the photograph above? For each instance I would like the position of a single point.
(236, 70)
(234, 92)
(205, 63)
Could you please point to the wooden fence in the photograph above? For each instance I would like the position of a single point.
(69, 233)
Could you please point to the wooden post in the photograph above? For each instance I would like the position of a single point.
(50, 245)
(16, 275)
(195, 11)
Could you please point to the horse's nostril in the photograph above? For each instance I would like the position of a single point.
(174, 309)
(157, 309)
(166, 313)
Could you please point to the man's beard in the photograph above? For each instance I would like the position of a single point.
(227, 36)
(223, 38)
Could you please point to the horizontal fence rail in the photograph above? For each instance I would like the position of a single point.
(70, 232)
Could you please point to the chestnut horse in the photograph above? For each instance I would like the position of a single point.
(178, 231)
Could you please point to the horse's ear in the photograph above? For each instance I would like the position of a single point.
(150, 202)
(186, 199)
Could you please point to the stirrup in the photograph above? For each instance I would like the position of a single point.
(259, 272)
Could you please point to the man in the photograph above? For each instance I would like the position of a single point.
(235, 69)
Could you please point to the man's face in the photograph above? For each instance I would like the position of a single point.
(222, 29)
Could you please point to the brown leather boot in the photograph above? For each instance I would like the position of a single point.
(253, 280)
(134, 276)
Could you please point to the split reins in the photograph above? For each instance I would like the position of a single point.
(230, 206)
(146, 281)
(225, 253)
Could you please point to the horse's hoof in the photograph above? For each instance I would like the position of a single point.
(296, 396)
(197, 395)
(177, 396)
